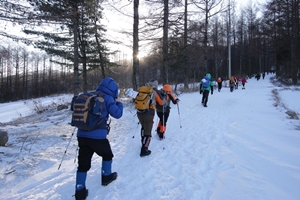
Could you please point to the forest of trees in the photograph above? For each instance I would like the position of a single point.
(187, 38)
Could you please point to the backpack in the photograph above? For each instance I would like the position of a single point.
(205, 83)
(87, 111)
(143, 99)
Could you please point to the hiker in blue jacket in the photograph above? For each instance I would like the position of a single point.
(206, 85)
(95, 141)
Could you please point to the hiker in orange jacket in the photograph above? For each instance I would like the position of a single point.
(163, 110)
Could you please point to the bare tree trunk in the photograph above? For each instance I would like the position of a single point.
(76, 54)
(25, 75)
(186, 69)
(1, 79)
(100, 56)
(295, 41)
(135, 77)
(17, 84)
(83, 49)
(205, 41)
(165, 42)
(84, 71)
(9, 76)
(44, 81)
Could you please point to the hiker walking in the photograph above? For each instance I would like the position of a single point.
(257, 76)
(236, 79)
(163, 111)
(206, 85)
(244, 81)
(232, 84)
(146, 114)
(220, 81)
(95, 141)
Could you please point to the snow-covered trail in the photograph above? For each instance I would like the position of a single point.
(219, 153)
(204, 155)
(257, 175)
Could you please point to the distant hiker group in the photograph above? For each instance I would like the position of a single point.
(91, 112)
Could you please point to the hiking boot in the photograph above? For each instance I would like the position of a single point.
(108, 179)
(205, 105)
(161, 136)
(145, 152)
(81, 194)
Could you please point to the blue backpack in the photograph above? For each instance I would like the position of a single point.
(205, 82)
(87, 111)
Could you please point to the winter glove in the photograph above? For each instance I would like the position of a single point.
(177, 100)
(211, 92)
(201, 91)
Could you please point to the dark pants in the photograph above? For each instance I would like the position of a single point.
(87, 147)
(146, 121)
(205, 97)
(219, 86)
(163, 117)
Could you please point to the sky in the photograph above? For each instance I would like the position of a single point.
(242, 146)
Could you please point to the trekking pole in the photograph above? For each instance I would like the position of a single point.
(66, 148)
(157, 121)
(136, 129)
(33, 141)
(23, 143)
(179, 114)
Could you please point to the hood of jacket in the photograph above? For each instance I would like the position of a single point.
(152, 83)
(208, 76)
(108, 86)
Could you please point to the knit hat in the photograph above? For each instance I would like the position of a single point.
(167, 88)
(153, 83)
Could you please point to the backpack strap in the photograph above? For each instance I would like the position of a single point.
(159, 93)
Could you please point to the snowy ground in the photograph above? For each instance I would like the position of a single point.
(243, 146)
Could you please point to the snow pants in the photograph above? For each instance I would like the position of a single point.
(163, 118)
(205, 97)
(87, 147)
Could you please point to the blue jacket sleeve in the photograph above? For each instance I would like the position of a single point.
(115, 109)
